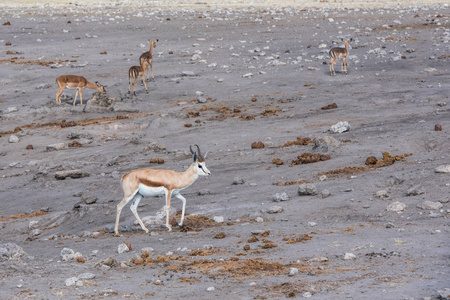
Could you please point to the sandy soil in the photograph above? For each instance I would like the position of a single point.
(264, 75)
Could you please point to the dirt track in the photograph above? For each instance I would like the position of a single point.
(264, 74)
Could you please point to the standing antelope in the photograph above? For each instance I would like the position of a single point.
(338, 52)
(135, 72)
(149, 57)
(78, 82)
(149, 182)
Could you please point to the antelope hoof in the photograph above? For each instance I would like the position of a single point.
(117, 234)
(169, 227)
(146, 92)
(134, 93)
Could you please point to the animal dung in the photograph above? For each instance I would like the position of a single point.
(371, 161)
(258, 145)
(329, 106)
(307, 158)
(159, 161)
(388, 159)
(29, 147)
(438, 127)
(188, 125)
(277, 161)
(75, 144)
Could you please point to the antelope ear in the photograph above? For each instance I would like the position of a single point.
(195, 157)
(157, 40)
(206, 154)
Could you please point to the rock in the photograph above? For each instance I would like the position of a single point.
(396, 206)
(443, 169)
(293, 271)
(210, 289)
(312, 224)
(248, 75)
(56, 147)
(218, 219)
(11, 251)
(322, 144)
(415, 190)
(280, 197)
(11, 109)
(122, 248)
(306, 189)
(86, 276)
(162, 212)
(204, 192)
(349, 256)
(340, 127)
(382, 194)
(201, 100)
(33, 225)
(36, 232)
(155, 146)
(325, 194)
(187, 73)
(444, 294)
(259, 219)
(68, 254)
(61, 175)
(71, 281)
(238, 180)
(306, 295)
(275, 210)
(13, 138)
(429, 205)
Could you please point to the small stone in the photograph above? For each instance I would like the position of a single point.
(444, 294)
(382, 194)
(306, 295)
(86, 276)
(312, 224)
(61, 175)
(218, 219)
(325, 194)
(248, 75)
(341, 127)
(210, 289)
(122, 248)
(238, 180)
(204, 192)
(306, 189)
(438, 127)
(201, 100)
(414, 191)
(259, 219)
(443, 169)
(187, 73)
(280, 197)
(319, 259)
(71, 281)
(275, 210)
(349, 256)
(429, 205)
(13, 138)
(252, 283)
(33, 225)
(11, 109)
(396, 206)
(293, 271)
(56, 147)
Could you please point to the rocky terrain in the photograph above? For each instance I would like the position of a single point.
(322, 186)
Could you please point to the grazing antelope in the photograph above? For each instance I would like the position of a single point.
(149, 57)
(135, 72)
(149, 182)
(338, 52)
(78, 82)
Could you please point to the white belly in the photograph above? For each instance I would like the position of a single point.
(147, 191)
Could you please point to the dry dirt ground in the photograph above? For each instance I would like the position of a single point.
(264, 75)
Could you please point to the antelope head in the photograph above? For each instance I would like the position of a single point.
(102, 88)
(199, 161)
(153, 42)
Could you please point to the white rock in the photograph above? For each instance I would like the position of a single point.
(349, 256)
(248, 75)
(11, 251)
(293, 271)
(210, 289)
(13, 138)
(122, 248)
(396, 206)
(275, 210)
(307, 295)
(312, 224)
(11, 109)
(443, 169)
(280, 197)
(340, 127)
(259, 219)
(33, 225)
(382, 194)
(218, 219)
(58, 146)
(429, 205)
(305, 189)
(71, 281)
(86, 276)
(325, 194)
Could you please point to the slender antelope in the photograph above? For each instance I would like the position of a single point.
(135, 72)
(149, 57)
(149, 182)
(338, 52)
(78, 82)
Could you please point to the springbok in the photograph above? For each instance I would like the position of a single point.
(78, 82)
(135, 72)
(338, 52)
(149, 57)
(149, 182)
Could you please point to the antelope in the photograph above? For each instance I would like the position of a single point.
(338, 52)
(149, 57)
(135, 72)
(150, 182)
(78, 82)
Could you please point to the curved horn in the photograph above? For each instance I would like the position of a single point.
(190, 147)
(199, 152)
